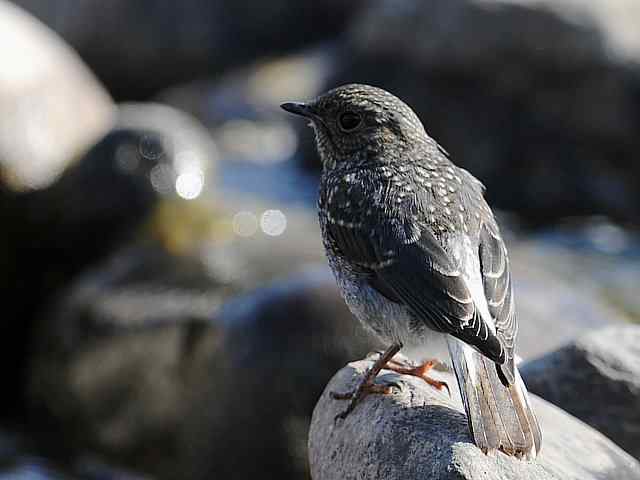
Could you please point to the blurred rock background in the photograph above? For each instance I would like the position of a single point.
(167, 311)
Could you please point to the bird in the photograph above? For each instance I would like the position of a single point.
(418, 255)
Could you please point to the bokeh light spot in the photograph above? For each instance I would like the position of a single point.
(189, 185)
(151, 147)
(161, 178)
(245, 224)
(273, 222)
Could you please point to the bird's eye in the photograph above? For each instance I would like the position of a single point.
(349, 121)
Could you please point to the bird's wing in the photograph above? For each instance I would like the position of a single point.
(406, 263)
(496, 278)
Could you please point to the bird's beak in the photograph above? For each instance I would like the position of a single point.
(298, 108)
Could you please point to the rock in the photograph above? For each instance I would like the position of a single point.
(139, 49)
(118, 358)
(283, 343)
(419, 432)
(597, 379)
(44, 89)
(532, 92)
(138, 364)
(154, 154)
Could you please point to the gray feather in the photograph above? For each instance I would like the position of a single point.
(500, 417)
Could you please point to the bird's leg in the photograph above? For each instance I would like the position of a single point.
(366, 385)
(419, 371)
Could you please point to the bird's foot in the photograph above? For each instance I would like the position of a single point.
(419, 371)
(356, 395)
(366, 384)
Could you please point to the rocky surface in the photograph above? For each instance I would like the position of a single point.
(137, 50)
(597, 379)
(530, 91)
(419, 432)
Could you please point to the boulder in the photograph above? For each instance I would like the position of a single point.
(147, 362)
(44, 90)
(534, 98)
(282, 343)
(119, 355)
(53, 110)
(419, 432)
(597, 379)
(153, 154)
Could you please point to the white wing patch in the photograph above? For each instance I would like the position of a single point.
(473, 278)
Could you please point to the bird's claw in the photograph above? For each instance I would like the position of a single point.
(374, 352)
(342, 396)
(440, 386)
(354, 396)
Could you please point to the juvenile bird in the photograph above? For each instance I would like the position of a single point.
(417, 253)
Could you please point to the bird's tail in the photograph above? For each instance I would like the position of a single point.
(500, 417)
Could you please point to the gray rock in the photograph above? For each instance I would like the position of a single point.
(141, 363)
(44, 90)
(597, 379)
(119, 356)
(418, 432)
(517, 90)
(283, 343)
(153, 155)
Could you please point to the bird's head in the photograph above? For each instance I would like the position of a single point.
(360, 122)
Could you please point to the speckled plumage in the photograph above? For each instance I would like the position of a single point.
(414, 246)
